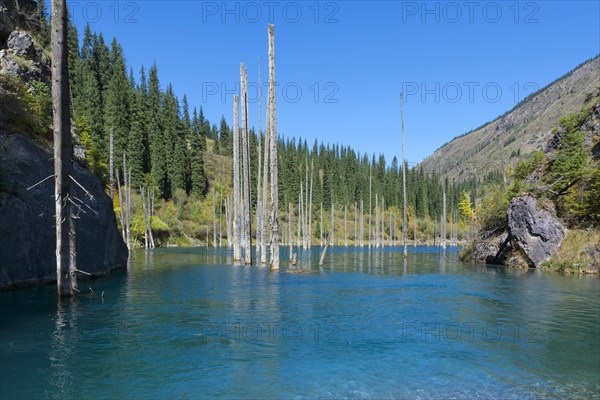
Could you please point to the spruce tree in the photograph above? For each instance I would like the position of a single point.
(198, 177)
(116, 105)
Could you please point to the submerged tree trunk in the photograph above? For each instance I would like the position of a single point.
(265, 183)
(259, 205)
(236, 183)
(214, 218)
(404, 217)
(321, 226)
(310, 205)
(66, 279)
(111, 163)
(443, 228)
(332, 227)
(362, 223)
(142, 192)
(370, 207)
(246, 157)
(345, 226)
(273, 154)
(376, 221)
(355, 221)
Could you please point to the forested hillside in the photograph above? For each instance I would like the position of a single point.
(185, 159)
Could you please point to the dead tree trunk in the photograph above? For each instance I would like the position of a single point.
(127, 213)
(290, 243)
(151, 212)
(345, 226)
(246, 158)
(355, 221)
(404, 217)
(214, 219)
(236, 183)
(265, 185)
(332, 227)
(301, 226)
(111, 164)
(376, 221)
(370, 206)
(142, 192)
(382, 221)
(299, 236)
(220, 219)
(121, 206)
(66, 279)
(273, 154)
(362, 223)
(259, 211)
(443, 227)
(310, 205)
(321, 226)
(228, 222)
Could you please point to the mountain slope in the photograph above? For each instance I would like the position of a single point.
(522, 130)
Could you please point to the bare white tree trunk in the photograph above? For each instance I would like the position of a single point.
(273, 154)
(355, 221)
(265, 185)
(332, 228)
(151, 208)
(443, 227)
(290, 241)
(404, 217)
(376, 221)
(66, 278)
(142, 191)
(228, 221)
(220, 219)
(259, 210)
(126, 192)
(362, 223)
(111, 164)
(382, 221)
(370, 205)
(214, 219)
(321, 230)
(246, 158)
(301, 230)
(121, 206)
(345, 226)
(310, 205)
(237, 200)
(299, 236)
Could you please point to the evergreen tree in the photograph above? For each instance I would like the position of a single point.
(158, 158)
(42, 14)
(199, 182)
(116, 105)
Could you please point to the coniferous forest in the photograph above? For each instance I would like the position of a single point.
(168, 144)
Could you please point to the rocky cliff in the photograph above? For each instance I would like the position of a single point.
(27, 248)
(27, 225)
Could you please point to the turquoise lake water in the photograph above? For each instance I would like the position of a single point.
(186, 323)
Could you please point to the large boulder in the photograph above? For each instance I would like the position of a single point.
(27, 247)
(21, 43)
(16, 13)
(535, 233)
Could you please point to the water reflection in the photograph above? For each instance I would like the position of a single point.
(370, 323)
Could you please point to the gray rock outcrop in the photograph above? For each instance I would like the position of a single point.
(535, 233)
(27, 245)
(21, 43)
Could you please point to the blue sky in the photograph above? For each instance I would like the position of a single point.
(342, 64)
